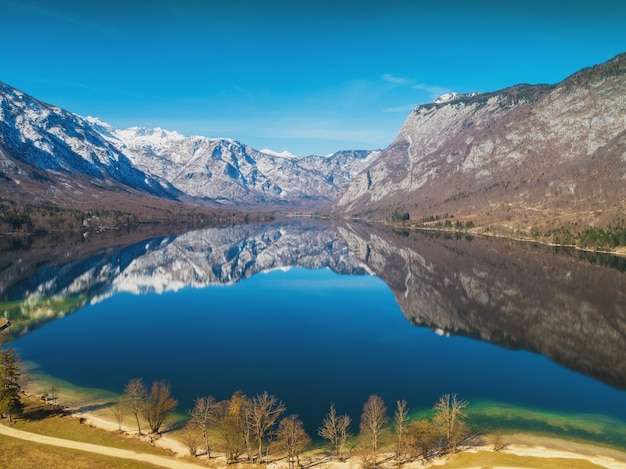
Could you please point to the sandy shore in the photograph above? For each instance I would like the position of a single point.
(165, 441)
(521, 444)
(546, 447)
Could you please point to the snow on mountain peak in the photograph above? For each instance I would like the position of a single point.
(282, 154)
(144, 136)
(445, 98)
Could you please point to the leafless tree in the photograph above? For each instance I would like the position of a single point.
(373, 421)
(190, 438)
(421, 438)
(335, 429)
(158, 405)
(448, 419)
(400, 425)
(293, 438)
(119, 410)
(263, 414)
(54, 393)
(202, 417)
(231, 423)
(498, 441)
(135, 397)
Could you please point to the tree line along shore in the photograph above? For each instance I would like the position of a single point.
(254, 429)
(258, 429)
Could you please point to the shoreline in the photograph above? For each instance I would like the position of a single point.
(523, 444)
(619, 251)
(95, 407)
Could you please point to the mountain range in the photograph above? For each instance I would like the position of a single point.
(538, 156)
(50, 154)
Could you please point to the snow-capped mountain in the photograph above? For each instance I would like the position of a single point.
(69, 155)
(228, 172)
(64, 146)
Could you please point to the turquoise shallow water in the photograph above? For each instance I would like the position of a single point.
(310, 337)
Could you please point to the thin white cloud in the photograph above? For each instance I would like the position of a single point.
(433, 91)
(400, 81)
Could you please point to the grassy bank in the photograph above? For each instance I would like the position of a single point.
(27, 455)
(44, 419)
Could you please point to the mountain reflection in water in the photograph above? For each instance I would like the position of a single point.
(511, 294)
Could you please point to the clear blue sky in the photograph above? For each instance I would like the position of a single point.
(310, 77)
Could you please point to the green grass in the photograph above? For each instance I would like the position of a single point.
(22, 454)
(40, 418)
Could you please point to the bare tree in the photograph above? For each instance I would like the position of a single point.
(448, 419)
(118, 410)
(400, 425)
(202, 417)
(159, 404)
(190, 438)
(335, 429)
(134, 397)
(293, 438)
(263, 414)
(373, 421)
(54, 393)
(421, 437)
(231, 423)
(498, 441)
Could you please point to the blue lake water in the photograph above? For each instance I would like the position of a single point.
(310, 336)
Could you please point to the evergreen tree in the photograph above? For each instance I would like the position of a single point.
(10, 387)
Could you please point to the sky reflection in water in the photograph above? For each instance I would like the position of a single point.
(310, 337)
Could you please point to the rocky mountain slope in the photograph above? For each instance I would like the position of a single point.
(56, 156)
(540, 155)
(48, 154)
(529, 157)
(226, 172)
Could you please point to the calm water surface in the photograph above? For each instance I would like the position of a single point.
(300, 315)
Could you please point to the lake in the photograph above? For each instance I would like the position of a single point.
(317, 313)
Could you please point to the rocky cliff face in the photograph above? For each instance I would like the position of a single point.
(528, 154)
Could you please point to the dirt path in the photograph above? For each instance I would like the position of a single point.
(105, 450)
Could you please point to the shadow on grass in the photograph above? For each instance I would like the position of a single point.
(42, 411)
(94, 407)
(35, 410)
